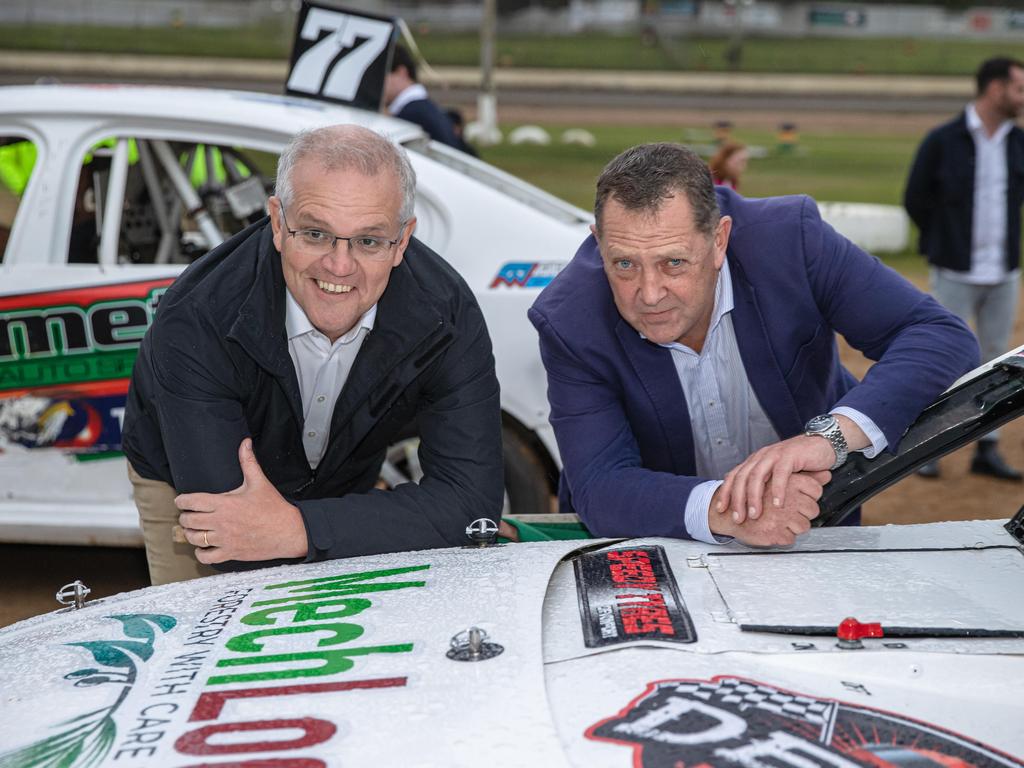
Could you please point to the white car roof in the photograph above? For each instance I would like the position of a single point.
(203, 106)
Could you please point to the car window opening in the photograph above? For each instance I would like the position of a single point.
(17, 160)
(175, 200)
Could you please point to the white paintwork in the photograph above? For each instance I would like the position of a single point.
(478, 217)
(535, 703)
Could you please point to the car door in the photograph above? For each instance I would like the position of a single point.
(97, 225)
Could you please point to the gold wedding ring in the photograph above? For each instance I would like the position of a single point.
(206, 540)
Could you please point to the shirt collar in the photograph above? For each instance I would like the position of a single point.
(297, 323)
(724, 304)
(414, 92)
(975, 126)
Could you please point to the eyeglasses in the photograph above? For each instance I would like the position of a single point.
(316, 242)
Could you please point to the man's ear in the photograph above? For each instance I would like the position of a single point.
(722, 232)
(274, 209)
(410, 227)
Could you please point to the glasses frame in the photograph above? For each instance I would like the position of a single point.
(352, 250)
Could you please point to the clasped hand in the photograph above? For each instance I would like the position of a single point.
(772, 496)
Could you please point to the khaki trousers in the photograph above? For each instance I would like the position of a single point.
(168, 560)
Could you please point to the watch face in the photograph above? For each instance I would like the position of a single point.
(820, 423)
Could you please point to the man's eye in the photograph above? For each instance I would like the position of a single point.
(673, 263)
(368, 243)
(315, 235)
(623, 264)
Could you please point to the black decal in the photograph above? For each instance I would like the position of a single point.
(630, 594)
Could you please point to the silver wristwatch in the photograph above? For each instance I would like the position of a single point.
(827, 426)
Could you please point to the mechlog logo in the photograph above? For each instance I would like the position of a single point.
(731, 721)
(74, 337)
(172, 716)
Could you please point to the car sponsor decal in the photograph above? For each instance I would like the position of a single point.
(735, 721)
(282, 641)
(630, 594)
(65, 360)
(526, 274)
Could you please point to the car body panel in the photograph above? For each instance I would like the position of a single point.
(486, 223)
(347, 662)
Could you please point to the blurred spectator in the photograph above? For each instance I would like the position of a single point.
(406, 98)
(964, 194)
(458, 125)
(729, 163)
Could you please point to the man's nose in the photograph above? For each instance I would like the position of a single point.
(339, 260)
(652, 289)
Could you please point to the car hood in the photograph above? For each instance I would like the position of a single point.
(638, 652)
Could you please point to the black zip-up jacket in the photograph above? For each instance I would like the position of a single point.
(940, 194)
(214, 368)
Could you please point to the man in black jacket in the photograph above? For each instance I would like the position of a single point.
(964, 194)
(283, 363)
(407, 99)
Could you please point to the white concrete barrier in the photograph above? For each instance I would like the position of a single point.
(875, 228)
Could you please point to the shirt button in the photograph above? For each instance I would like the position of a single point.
(321, 399)
(719, 440)
(313, 434)
(711, 403)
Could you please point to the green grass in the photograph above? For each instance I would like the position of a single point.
(828, 166)
(587, 51)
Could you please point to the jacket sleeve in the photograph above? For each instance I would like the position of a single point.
(920, 348)
(460, 451)
(609, 487)
(198, 402)
(919, 197)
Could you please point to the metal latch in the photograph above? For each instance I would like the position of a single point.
(73, 594)
(472, 645)
(482, 532)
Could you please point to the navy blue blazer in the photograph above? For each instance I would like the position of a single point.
(618, 410)
(426, 114)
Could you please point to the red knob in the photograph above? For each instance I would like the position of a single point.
(851, 629)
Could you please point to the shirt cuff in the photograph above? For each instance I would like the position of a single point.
(878, 441)
(697, 507)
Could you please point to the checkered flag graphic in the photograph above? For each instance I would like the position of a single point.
(741, 694)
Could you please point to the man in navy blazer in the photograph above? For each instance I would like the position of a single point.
(693, 373)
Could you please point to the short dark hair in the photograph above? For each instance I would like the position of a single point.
(402, 58)
(643, 177)
(996, 68)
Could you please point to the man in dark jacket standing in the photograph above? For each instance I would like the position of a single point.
(407, 98)
(964, 194)
(283, 363)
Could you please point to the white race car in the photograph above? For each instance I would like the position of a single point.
(855, 648)
(107, 192)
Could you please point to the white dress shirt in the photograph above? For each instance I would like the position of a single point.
(414, 92)
(988, 221)
(727, 420)
(322, 369)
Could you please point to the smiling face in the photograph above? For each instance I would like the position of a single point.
(336, 289)
(662, 270)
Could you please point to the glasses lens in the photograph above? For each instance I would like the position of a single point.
(313, 241)
(370, 247)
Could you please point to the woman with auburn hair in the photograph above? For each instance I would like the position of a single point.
(729, 163)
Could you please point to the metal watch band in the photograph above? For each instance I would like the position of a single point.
(833, 434)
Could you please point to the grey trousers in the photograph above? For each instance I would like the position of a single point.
(990, 310)
(168, 560)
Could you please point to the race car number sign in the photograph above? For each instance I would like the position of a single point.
(340, 56)
(630, 594)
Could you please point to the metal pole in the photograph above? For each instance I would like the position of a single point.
(114, 203)
(193, 204)
(487, 100)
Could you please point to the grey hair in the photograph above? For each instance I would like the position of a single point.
(643, 177)
(339, 147)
